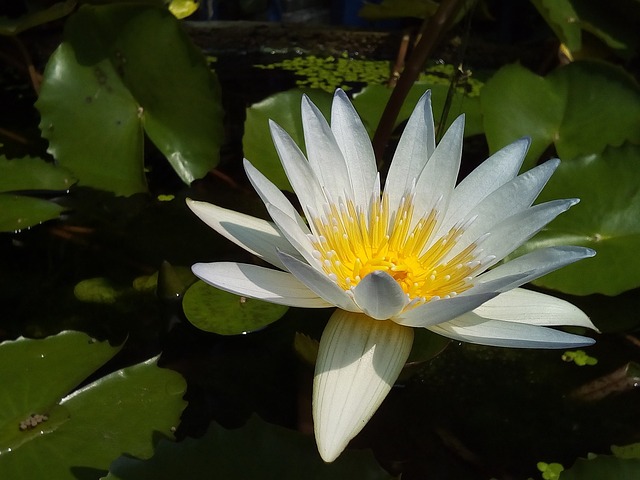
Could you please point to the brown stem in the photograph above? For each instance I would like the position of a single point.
(436, 25)
(34, 75)
(400, 58)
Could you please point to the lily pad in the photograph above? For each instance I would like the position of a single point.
(29, 174)
(122, 71)
(603, 466)
(77, 437)
(606, 219)
(18, 212)
(562, 18)
(217, 311)
(580, 109)
(256, 451)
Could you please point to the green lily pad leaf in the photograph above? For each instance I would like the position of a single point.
(562, 18)
(81, 435)
(217, 311)
(606, 219)
(284, 109)
(18, 212)
(31, 173)
(125, 70)
(603, 466)
(626, 451)
(92, 123)
(96, 290)
(614, 23)
(10, 26)
(254, 452)
(580, 109)
(39, 373)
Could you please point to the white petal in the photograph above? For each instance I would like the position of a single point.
(379, 295)
(325, 158)
(526, 306)
(258, 282)
(474, 329)
(416, 145)
(255, 235)
(517, 229)
(293, 233)
(442, 310)
(536, 264)
(494, 172)
(438, 177)
(354, 142)
(270, 194)
(320, 283)
(298, 170)
(358, 362)
(508, 200)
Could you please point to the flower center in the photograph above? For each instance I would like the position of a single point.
(349, 245)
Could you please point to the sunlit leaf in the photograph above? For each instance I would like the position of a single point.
(124, 70)
(36, 374)
(257, 451)
(580, 109)
(183, 8)
(87, 429)
(214, 310)
(606, 219)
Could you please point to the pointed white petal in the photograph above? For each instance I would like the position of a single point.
(536, 264)
(526, 306)
(517, 229)
(319, 282)
(442, 310)
(358, 362)
(257, 236)
(416, 145)
(270, 194)
(325, 158)
(474, 329)
(511, 198)
(298, 170)
(354, 142)
(258, 282)
(293, 233)
(494, 172)
(379, 295)
(438, 177)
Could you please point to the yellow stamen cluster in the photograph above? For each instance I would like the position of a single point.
(350, 245)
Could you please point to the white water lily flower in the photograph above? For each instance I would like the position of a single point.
(419, 254)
